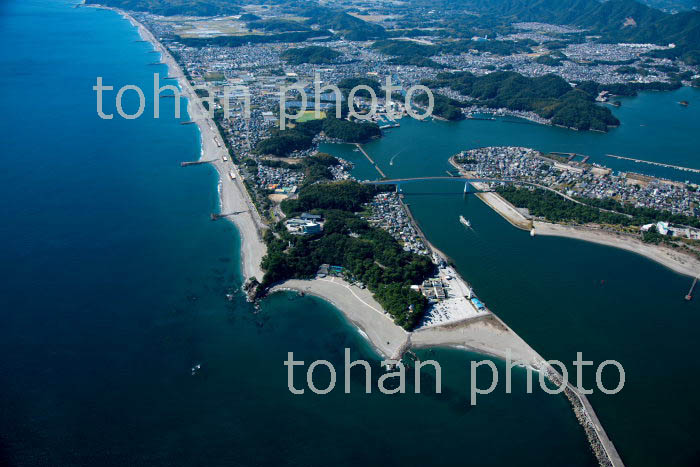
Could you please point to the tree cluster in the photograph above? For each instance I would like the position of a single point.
(314, 54)
(554, 208)
(368, 254)
(550, 96)
(283, 142)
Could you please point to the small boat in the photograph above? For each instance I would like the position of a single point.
(684, 103)
(196, 368)
(464, 221)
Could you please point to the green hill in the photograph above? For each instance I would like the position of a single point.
(615, 20)
(348, 26)
(549, 96)
(175, 7)
(314, 54)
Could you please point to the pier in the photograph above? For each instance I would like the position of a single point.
(214, 216)
(188, 163)
(362, 150)
(190, 122)
(689, 297)
(658, 164)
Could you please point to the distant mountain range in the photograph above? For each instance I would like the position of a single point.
(673, 5)
(175, 7)
(615, 20)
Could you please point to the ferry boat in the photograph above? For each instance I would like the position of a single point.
(465, 221)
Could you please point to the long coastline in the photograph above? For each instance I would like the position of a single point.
(676, 261)
(488, 335)
(236, 204)
(672, 259)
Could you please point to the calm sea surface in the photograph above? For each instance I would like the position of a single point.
(113, 284)
(565, 296)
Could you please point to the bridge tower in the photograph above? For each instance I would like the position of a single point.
(467, 188)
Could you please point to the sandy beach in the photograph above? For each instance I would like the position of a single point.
(487, 335)
(675, 260)
(360, 308)
(236, 204)
(496, 202)
(504, 208)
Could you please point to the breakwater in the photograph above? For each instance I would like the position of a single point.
(600, 443)
(658, 164)
(602, 447)
(374, 164)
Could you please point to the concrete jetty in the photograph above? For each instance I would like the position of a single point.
(362, 150)
(188, 163)
(689, 297)
(472, 335)
(658, 164)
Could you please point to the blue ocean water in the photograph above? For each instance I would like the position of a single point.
(113, 284)
(565, 296)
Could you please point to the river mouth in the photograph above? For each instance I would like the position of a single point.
(564, 295)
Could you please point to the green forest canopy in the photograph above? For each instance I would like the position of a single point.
(554, 208)
(175, 7)
(549, 96)
(314, 54)
(370, 255)
(284, 142)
